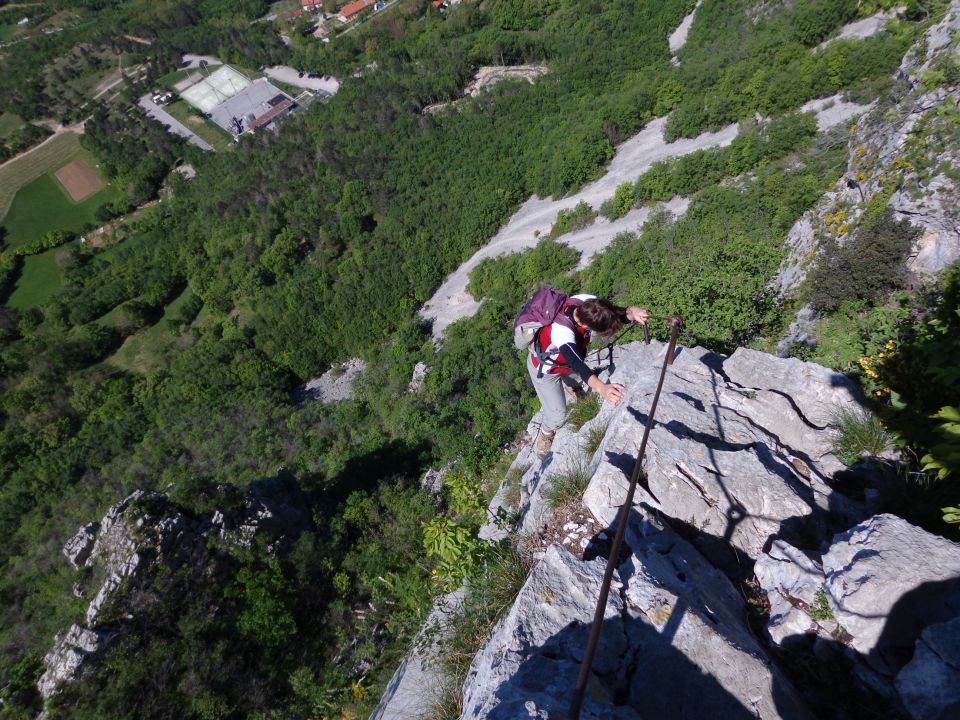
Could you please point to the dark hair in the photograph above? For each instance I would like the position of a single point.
(602, 316)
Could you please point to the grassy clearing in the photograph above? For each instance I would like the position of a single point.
(9, 124)
(152, 348)
(38, 162)
(858, 433)
(39, 281)
(201, 126)
(42, 205)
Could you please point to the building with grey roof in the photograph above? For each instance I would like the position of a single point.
(256, 106)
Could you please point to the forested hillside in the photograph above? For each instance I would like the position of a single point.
(300, 249)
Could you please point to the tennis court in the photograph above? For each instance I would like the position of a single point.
(220, 85)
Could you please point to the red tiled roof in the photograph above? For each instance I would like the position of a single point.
(352, 8)
(270, 114)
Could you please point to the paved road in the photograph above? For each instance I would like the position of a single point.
(176, 127)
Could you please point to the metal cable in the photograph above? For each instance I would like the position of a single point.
(587, 664)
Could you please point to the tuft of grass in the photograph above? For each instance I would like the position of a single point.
(594, 437)
(820, 608)
(583, 410)
(569, 485)
(512, 495)
(857, 433)
(491, 592)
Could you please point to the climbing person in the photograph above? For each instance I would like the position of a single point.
(557, 329)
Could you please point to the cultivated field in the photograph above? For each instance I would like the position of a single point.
(79, 180)
(23, 169)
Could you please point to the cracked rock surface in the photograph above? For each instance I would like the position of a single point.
(673, 642)
(887, 580)
(739, 452)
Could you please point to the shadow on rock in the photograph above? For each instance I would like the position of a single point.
(657, 681)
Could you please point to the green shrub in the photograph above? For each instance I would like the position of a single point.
(577, 218)
(858, 432)
(870, 264)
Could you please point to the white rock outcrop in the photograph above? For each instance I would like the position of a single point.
(146, 534)
(64, 663)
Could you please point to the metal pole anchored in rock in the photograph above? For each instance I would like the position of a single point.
(586, 666)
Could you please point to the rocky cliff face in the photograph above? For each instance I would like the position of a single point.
(902, 154)
(147, 536)
(743, 509)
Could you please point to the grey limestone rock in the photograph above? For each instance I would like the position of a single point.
(929, 685)
(64, 663)
(673, 642)
(77, 548)
(415, 685)
(792, 581)
(739, 450)
(888, 580)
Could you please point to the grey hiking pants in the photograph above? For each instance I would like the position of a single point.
(553, 398)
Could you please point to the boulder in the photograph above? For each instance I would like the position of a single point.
(929, 685)
(792, 581)
(888, 580)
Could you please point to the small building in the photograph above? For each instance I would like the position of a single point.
(311, 5)
(349, 11)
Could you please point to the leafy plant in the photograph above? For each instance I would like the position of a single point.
(820, 607)
(858, 432)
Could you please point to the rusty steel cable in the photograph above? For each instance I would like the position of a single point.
(587, 664)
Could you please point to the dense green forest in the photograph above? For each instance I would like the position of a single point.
(301, 249)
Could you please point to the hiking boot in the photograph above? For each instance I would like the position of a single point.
(544, 441)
